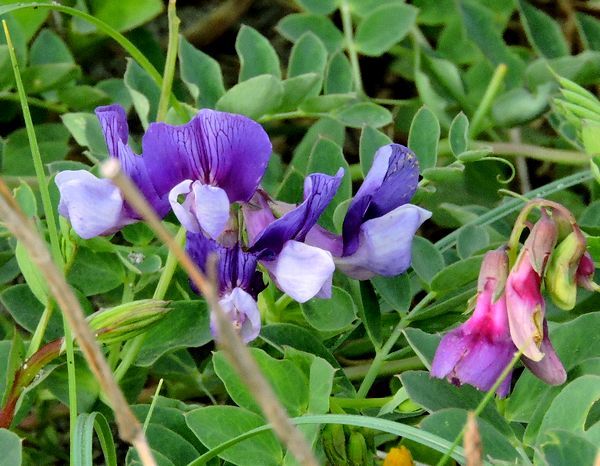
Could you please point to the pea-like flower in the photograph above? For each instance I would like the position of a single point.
(96, 206)
(300, 270)
(239, 282)
(478, 351)
(380, 224)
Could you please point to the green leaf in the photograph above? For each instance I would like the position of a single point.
(338, 75)
(589, 30)
(318, 7)
(543, 32)
(574, 342)
(423, 344)
(330, 315)
(519, 106)
(362, 114)
(288, 382)
(308, 55)
(320, 384)
(370, 313)
(471, 239)
(323, 128)
(459, 134)
(370, 140)
(254, 97)
(26, 199)
(294, 26)
(48, 48)
(83, 97)
(125, 15)
(83, 442)
(16, 158)
(257, 55)
(327, 103)
(424, 136)
(481, 28)
(384, 27)
(11, 448)
(437, 394)
(427, 261)
(85, 129)
(41, 78)
(446, 423)
(214, 425)
(564, 448)
(186, 325)
(201, 74)
(297, 89)
(12, 356)
(26, 310)
(570, 408)
(394, 290)
(456, 275)
(95, 272)
(144, 92)
(431, 98)
(34, 278)
(327, 157)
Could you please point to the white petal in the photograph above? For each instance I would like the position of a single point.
(183, 212)
(211, 207)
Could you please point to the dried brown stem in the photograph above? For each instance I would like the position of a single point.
(472, 442)
(229, 340)
(130, 429)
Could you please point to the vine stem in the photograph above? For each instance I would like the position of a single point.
(351, 46)
(487, 100)
(169, 72)
(481, 406)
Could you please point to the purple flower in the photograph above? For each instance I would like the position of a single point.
(379, 226)
(479, 350)
(239, 282)
(214, 160)
(300, 270)
(95, 206)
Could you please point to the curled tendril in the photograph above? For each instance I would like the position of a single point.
(504, 161)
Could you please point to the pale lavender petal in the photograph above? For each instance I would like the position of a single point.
(257, 216)
(385, 244)
(215, 148)
(93, 206)
(243, 311)
(324, 239)
(301, 271)
(211, 207)
(319, 190)
(390, 183)
(183, 211)
(549, 368)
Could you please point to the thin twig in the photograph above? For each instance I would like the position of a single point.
(130, 430)
(229, 340)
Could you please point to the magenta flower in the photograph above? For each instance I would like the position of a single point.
(478, 351)
(380, 223)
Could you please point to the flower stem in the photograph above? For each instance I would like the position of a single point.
(481, 406)
(169, 72)
(487, 100)
(351, 47)
(132, 349)
(384, 351)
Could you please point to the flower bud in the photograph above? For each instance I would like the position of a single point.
(541, 242)
(549, 368)
(127, 320)
(585, 273)
(399, 456)
(560, 278)
(525, 306)
(494, 268)
(334, 444)
(358, 453)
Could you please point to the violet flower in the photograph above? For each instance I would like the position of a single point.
(380, 224)
(479, 350)
(239, 282)
(298, 269)
(96, 206)
(214, 160)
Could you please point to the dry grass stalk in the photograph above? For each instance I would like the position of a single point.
(472, 442)
(229, 341)
(130, 430)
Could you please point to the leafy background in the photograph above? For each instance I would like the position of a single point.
(469, 86)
